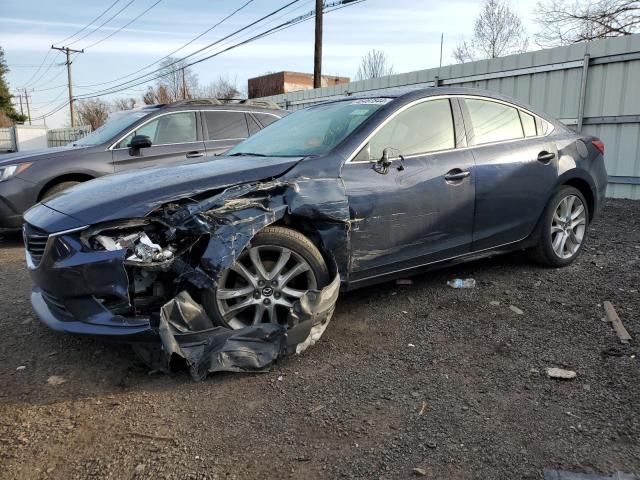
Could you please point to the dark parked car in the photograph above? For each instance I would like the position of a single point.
(361, 188)
(180, 132)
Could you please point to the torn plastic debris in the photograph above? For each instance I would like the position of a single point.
(189, 337)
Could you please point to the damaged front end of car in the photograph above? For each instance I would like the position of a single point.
(175, 254)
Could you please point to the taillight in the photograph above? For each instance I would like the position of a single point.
(599, 144)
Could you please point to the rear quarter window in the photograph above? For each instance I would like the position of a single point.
(492, 121)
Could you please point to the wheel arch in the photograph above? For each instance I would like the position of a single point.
(585, 187)
(67, 177)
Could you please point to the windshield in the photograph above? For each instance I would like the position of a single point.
(312, 131)
(116, 123)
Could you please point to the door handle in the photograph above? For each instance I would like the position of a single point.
(545, 156)
(456, 174)
(194, 154)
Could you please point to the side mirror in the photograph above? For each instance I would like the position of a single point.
(382, 165)
(139, 141)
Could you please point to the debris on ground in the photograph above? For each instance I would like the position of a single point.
(495, 303)
(561, 373)
(460, 283)
(21, 367)
(404, 281)
(613, 317)
(420, 472)
(56, 380)
(515, 309)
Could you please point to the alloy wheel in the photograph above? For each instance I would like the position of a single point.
(262, 285)
(568, 226)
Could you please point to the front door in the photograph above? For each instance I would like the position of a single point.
(420, 210)
(174, 139)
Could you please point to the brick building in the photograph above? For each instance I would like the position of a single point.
(284, 82)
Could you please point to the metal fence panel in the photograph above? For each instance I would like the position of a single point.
(551, 80)
(59, 137)
(7, 140)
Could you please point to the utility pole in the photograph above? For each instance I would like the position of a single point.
(26, 97)
(20, 98)
(317, 57)
(184, 86)
(68, 51)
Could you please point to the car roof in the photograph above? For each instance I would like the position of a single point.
(409, 93)
(256, 106)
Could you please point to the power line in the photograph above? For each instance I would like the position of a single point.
(282, 26)
(88, 24)
(102, 24)
(176, 50)
(165, 67)
(337, 5)
(122, 27)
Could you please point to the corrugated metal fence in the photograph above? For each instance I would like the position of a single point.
(59, 137)
(593, 87)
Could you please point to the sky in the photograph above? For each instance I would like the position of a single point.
(408, 31)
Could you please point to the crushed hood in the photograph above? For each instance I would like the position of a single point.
(134, 194)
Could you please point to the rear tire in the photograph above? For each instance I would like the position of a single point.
(563, 228)
(262, 284)
(57, 188)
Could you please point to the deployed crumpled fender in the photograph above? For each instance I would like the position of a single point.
(189, 337)
(231, 218)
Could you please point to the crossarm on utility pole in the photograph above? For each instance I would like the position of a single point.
(68, 51)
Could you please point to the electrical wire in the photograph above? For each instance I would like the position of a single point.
(102, 24)
(88, 24)
(283, 26)
(174, 51)
(122, 27)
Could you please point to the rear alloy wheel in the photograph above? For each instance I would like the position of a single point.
(564, 228)
(277, 268)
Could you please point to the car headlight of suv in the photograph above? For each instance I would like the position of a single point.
(8, 171)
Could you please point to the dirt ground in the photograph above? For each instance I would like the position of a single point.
(420, 376)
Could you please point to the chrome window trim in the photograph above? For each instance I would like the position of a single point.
(112, 146)
(350, 159)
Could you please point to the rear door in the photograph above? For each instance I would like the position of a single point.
(421, 210)
(224, 129)
(175, 138)
(516, 168)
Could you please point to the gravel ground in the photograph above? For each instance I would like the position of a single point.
(420, 376)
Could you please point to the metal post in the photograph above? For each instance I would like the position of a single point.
(583, 93)
(68, 52)
(26, 97)
(317, 56)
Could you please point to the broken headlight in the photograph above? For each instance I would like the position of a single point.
(143, 241)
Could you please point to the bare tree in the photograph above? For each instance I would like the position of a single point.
(563, 23)
(92, 112)
(224, 89)
(497, 31)
(178, 79)
(373, 65)
(158, 94)
(123, 104)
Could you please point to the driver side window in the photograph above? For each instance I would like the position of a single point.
(423, 128)
(167, 129)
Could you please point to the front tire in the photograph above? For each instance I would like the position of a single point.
(564, 227)
(276, 269)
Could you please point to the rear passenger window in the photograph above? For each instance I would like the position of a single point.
(492, 121)
(528, 124)
(226, 125)
(426, 127)
(265, 119)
